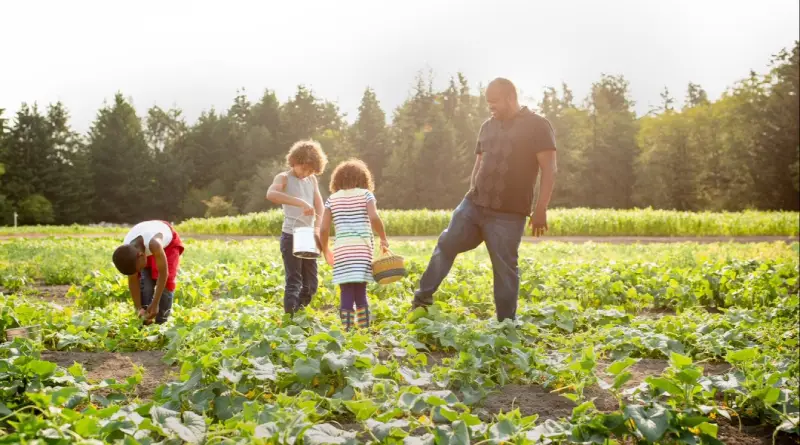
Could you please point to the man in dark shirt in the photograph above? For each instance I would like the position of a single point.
(513, 145)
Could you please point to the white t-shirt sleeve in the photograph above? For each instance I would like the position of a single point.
(147, 230)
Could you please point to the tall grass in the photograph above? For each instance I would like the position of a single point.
(562, 222)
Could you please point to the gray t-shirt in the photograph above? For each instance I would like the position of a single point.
(298, 188)
(509, 166)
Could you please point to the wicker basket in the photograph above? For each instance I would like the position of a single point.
(388, 268)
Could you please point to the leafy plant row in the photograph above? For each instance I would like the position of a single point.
(562, 222)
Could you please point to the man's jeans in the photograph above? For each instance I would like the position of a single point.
(148, 290)
(301, 277)
(470, 225)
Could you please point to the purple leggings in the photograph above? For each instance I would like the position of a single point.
(353, 293)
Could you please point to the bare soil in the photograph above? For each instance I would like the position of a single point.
(534, 399)
(119, 366)
(53, 294)
(730, 434)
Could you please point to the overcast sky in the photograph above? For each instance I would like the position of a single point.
(195, 54)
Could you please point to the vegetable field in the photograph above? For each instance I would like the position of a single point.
(660, 343)
(562, 222)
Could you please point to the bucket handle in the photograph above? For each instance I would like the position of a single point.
(313, 219)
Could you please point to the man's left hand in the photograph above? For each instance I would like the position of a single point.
(539, 223)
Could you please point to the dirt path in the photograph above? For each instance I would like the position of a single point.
(527, 239)
(119, 366)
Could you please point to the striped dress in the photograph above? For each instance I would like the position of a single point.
(352, 249)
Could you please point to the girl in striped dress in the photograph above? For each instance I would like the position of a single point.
(354, 214)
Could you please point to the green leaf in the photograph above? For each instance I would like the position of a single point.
(325, 434)
(160, 415)
(502, 431)
(415, 378)
(191, 430)
(709, 429)
(689, 375)
(664, 385)
(772, 396)
(64, 395)
(381, 371)
(87, 426)
(263, 369)
(742, 355)
(336, 362)
(226, 407)
(679, 361)
(582, 408)
(693, 421)
(306, 369)
(383, 430)
(571, 396)
(622, 379)
(435, 401)
(448, 414)
(42, 368)
(651, 423)
(725, 382)
(4, 411)
(233, 376)
(76, 370)
(267, 430)
(457, 435)
(620, 365)
(363, 409)
(567, 325)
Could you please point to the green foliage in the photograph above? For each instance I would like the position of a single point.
(562, 222)
(247, 373)
(217, 206)
(35, 209)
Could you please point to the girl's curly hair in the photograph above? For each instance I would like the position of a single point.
(307, 152)
(351, 174)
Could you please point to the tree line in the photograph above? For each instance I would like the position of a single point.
(740, 151)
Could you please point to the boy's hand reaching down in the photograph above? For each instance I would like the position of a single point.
(308, 209)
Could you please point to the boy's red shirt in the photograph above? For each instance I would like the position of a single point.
(173, 252)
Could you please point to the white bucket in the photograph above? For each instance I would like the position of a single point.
(304, 243)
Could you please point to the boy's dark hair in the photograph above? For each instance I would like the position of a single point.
(125, 259)
(307, 152)
(350, 175)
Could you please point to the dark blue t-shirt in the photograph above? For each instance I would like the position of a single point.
(509, 167)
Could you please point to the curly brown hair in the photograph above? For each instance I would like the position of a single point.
(307, 152)
(350, 175)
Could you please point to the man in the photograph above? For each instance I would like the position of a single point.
(149, 256)
(513, 145)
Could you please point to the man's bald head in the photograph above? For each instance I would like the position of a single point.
(503, 86)
(501, 95)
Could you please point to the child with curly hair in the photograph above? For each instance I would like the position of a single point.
(354, 213)
(297, 191)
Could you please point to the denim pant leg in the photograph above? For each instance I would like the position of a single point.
(165, 306)
(148, 290)
(463, 234)
(310, 281)
(147, 285)
(293, 272)
(503, 235)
